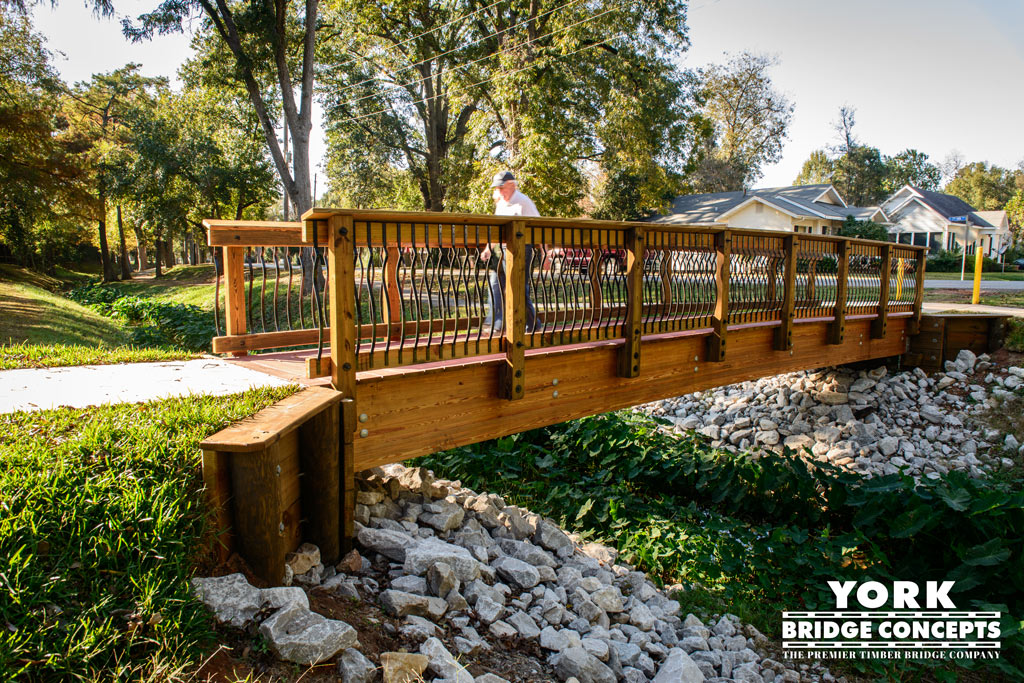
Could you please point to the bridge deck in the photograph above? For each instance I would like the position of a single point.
(400, 308)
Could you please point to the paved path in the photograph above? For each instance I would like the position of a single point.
(89, 385)
(939, 307)
(986, 285)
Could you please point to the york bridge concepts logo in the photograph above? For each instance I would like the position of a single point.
(904, 631)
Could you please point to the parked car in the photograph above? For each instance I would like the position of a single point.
(1019, 263)
(578, 260)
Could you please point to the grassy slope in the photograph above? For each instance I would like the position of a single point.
(41, 328)
(102, 526)
(29, 313)
(180, 285)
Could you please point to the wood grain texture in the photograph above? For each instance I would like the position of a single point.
(341, 285)
(217, 482)
(234, 292)
(880, 324)
(720, 320)
(629, 355)
(512, 374)
(415, 413)
(837, 332)
(319, 441)
(270, 424)
(784, 333)
(265, 507)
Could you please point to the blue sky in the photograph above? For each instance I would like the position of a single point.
(935, 75)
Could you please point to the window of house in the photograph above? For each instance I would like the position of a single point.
(921, 239)
(758, 208)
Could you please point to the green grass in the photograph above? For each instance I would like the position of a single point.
(102, 526)
(1014, 335)
(969, 276)
(1009, 299)
(29, 313)
(179, 285)
(26, 355)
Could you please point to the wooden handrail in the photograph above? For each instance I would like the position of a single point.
(395, 253)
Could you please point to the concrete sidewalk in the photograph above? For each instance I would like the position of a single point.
(940, 307)
(90, 385)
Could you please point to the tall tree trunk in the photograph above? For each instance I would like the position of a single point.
(140, 246)
(108, 267)
(126, 271)
(168, 249)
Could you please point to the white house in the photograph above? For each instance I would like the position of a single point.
(942, 221)
(812, 209)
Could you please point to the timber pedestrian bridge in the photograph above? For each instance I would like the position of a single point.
(393, 310)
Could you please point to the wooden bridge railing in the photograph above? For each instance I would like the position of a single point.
(388, 294)
(418, 286)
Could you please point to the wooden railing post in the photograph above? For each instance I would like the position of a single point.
(879, 324)
(341, 283)
(837, 331)
(512, 380)
(914, 326)
(391, 308)
(234, 293)
(716, 342)
(784, 333)
(629, 356)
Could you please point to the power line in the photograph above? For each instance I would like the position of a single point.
(486, 80)
(463, 47)
(433, 30)
(531, 41)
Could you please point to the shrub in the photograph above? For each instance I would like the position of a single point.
(153, 323)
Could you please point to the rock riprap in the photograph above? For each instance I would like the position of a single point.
(868, 421)
(502, 579)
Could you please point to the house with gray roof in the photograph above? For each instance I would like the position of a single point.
(810, 209)
(943, 221)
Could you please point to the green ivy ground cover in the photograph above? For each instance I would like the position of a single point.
(101, 525)
(762, 533)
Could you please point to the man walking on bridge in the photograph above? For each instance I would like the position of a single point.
(509, 201)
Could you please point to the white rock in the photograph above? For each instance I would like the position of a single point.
(231, 598)
(443, 663)
(304, 637)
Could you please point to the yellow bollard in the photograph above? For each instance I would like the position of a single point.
(978, 260)
(899, 279)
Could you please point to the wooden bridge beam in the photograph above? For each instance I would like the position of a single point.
(720, 320)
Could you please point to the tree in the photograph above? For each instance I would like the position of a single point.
(268, 44)
(843, 127)
(1015, 213)
(868, 230)
(98, 112)
(419, 96)
(41, 177)
(985, 187)
(750, 118)
(816, 170)
(860, 175)
(911, 167)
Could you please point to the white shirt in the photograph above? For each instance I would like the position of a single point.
(517, 205)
